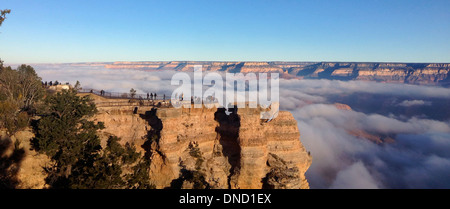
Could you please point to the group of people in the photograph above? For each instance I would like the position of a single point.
(51, 83)
(152, 96)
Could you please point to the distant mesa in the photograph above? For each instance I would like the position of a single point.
(376, 138)
(373, 137)
(341, 106)
(411, 73)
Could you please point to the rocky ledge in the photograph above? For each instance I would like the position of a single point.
(412, 73)
(238, 150)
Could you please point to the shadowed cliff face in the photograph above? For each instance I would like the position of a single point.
(10, 162)
(153, 134)
(20, 166)
(228, 134)
(238, 149)
(412, 73)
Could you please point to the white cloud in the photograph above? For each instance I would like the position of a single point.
(324, 132)
(115, 80)
(409, 103)
(355, 176)
(418, 159)
(333, 87)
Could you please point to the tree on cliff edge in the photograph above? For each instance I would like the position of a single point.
(3, 15)
(21, 86)
(66, 135)
(197, 176)
(2, 18)
(20, 92)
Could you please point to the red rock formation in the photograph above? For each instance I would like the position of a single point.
(429, 74)
(236, 148)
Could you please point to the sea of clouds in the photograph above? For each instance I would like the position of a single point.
(419, 158)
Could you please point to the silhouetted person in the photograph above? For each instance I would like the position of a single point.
(148, 95)
(151, 95)
(155, 96)
(164, 97)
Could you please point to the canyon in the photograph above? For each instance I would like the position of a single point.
(410, 73)
(239, 150)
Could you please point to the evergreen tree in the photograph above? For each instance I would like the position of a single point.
(2, 18)
(197, 176)
(132, 93)
(3, 15)
(77, 86)
(106, 171)
(66, 135)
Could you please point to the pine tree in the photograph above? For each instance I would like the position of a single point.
(70, 139)
(106, 171)
(132, 93)
(65, 135)
(3, 15)
(197, 176)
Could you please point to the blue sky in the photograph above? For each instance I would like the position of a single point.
(245, 30)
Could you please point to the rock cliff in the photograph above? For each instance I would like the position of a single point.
(30, 164)
(412, 73)
(239, 150)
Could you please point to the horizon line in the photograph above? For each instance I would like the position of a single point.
(101, 62)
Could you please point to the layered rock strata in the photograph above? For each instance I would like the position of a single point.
(412, 73)
(237, 149)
